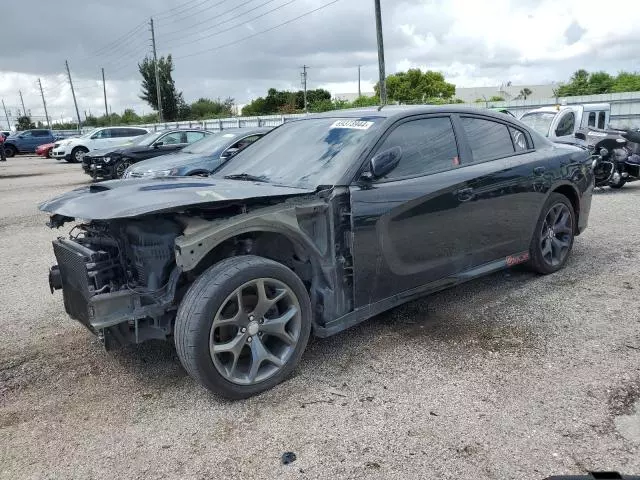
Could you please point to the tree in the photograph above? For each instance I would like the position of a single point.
(600, 82)
(626, 82)
(25, 123)
(496, 98)
(204, 108)
(524, 93)
(416, 86)
(283, 101)
(172, 101)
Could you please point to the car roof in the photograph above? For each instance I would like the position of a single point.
(247, 131)
(391, 111)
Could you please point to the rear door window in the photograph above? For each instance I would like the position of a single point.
(592, 119)
(487, 139)
(194, 136)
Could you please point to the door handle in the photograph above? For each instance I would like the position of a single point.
(465, 194)
(539, 171)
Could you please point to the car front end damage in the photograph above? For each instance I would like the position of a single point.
(119, 278)
(123, 275)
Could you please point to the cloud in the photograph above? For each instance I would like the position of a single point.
(473, 43)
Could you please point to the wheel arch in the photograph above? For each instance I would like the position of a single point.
(277, 236)
(569, 191)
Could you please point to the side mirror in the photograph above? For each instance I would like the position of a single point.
(384, 162)
(230, 152)
(158, 144)
(580, 135)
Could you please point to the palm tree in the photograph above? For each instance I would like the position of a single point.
(524, 93)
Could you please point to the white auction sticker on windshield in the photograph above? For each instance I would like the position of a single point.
(354, 124)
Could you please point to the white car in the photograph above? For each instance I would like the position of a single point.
(73, 149)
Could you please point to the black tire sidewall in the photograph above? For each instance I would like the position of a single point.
(10, 151)
(537, 262)
(200, 305)
(115, 168)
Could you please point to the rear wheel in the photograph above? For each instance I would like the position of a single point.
(77, 154)
(553, 238)
(49, 153)
(243, 325)
(10, 151)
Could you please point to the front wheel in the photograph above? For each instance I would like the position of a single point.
(10, 151)
(77, 154)
(120, 168)
(243, 325)
(553, 238)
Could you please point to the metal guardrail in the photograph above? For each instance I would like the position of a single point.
(625, 108)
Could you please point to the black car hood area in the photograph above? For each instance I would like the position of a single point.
(132, 198)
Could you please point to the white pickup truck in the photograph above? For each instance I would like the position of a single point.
(560, 121)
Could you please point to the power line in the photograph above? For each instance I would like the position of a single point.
(192, 14)
(260, 32)
(221, 14)
(168, 13)
(220, 32)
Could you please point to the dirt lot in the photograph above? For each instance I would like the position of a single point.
(514, 376)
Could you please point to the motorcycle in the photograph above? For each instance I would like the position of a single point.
(615, 154)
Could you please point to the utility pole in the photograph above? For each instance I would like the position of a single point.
(73, 93)
(359, 91)
(6, 115)
(104, 89)
(46, 114)
(24, 110)
(304, 86)
(155, 62)
(383, 84)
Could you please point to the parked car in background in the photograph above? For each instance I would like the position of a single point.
(5, 133)
(45, 150)
(200, 158)
(562, 121)
(327, 221)
(27, 141)
(73, 149)
(112, 162)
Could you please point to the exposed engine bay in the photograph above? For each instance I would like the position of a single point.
(132, 259)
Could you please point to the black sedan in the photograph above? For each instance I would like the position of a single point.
(112, 162)
(327, 221)
(201, 158)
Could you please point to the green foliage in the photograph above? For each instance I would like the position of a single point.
(25, 123)
(204, 108)
(364, 101)
(496, 98)
(415, 86)
(585, 83)
(283, 101)
(172, 102)
(64, 126)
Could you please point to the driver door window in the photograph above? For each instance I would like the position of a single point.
(428, 146)
(174, 138)
(566, 124)
(245, 142)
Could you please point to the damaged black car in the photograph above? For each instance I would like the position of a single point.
(327, 221)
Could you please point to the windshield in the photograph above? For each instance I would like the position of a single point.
(88, 134)
(539, 121)
(303, 153)
(210, 144)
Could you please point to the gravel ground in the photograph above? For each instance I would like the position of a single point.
(513, 376)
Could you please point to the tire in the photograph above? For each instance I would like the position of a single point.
(204, 304)
(540, 261)
(10, 151)
(120, 167)
(77, 154)
(618, 185)
(49, 153)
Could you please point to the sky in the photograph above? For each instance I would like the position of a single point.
(240, 48)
